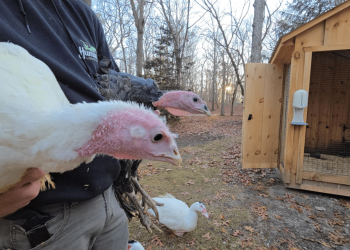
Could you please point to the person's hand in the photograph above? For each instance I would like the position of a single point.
(21, 193)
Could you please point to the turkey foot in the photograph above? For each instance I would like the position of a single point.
(146, 199)
(144, 219)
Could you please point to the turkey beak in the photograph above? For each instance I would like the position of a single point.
(129, 246)
(174, 157)
(206, 110)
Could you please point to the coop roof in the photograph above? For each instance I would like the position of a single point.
(285, 45)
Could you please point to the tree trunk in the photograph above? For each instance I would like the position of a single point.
(201, 95)
(259, 13)
(178, 62)
(139, 51)
(223, 85)
(88, 2)
(124, 59)
(140, 24)
(207, 85)
(214, 79)
(234, 97)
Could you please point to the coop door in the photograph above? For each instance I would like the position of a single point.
(261, 116)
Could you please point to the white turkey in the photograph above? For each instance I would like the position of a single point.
(40, 128)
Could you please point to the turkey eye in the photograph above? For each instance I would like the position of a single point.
(195, 99)
(157, 138)
(205, 107)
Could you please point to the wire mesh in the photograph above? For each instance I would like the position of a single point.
(327, 141)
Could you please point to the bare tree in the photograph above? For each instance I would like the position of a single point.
(202, 75)
(259, 14)
(124, 27)
(140, 19)
(115, 18)
(223, 85)
(227, 41)
(214, 76)
(173, 12)
(139, 23)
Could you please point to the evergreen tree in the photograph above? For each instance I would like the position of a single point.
(299, 12)
(162, 66)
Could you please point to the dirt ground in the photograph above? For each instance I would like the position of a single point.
(249, 209)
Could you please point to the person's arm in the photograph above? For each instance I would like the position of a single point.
(21, 193)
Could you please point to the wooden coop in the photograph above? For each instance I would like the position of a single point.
(314, 57)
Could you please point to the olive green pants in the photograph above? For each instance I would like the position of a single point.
(97, 224)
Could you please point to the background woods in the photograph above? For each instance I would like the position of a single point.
(200, 45)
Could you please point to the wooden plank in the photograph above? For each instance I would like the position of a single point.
(325, 189)
(263, 102)
(315, 176)
(284, 55)
(311, 138)
(281, 138)
(337, 28)
(313, 37)
(271, 114)
(322, 187)
(315, 21)
(290, 129)
(254, 106)
(302, 129)
(327, 48)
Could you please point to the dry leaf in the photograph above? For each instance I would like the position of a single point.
(264, 195)
(226, 223)
(216, 223)
(233, 197)
(296, 207)
(278, 217)
(250, 229)
(222, 217)
(236, 233)
(207, 236)
(223, 230)
(191, 243)
(190, 182)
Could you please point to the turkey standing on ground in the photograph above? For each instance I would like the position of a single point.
(126, 87)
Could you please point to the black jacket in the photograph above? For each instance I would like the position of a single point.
(50, 42)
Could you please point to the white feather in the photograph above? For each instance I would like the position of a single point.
(38, 126)
(176, 215)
